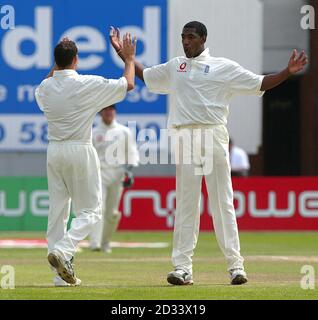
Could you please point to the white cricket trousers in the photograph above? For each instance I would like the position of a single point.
(205, 155)
(112, 186)
(73, 171)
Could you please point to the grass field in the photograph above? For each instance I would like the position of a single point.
(273, 263)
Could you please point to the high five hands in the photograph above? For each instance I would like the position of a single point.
(121, 46)
(128, 50)
(114, 36)
(118, 45)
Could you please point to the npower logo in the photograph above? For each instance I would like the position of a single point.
(91, 41)
(305, 203)
(163, 206)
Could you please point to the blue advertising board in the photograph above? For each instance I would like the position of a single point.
(26, 57)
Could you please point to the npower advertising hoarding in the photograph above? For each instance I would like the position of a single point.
(26, 56)
(260, 204)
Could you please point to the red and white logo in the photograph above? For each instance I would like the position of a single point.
(282, 203)
(99, 138)
(182, 67)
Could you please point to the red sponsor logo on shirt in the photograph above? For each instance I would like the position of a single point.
(99, 138)
(182, 67)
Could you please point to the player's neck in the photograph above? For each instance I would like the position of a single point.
(199, 52)
(108, 123)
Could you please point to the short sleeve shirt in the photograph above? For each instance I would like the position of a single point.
(201, 88)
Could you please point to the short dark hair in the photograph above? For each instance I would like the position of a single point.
(199, 27)
(64, 53)
(113, 106)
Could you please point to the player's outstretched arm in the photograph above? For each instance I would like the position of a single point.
(296, 63)
(114, 37)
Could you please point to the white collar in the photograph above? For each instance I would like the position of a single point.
(204, 54)
(112, 125)
(64, 73)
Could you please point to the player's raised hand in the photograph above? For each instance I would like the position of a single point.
(297, 62)
(128, 50)
(114, 36)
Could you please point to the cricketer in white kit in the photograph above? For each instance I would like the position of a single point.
(70, 102)
(201, 87)
(116, 172)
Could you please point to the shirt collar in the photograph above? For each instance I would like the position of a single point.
(64, 73)
(112, 125)
(204, 54)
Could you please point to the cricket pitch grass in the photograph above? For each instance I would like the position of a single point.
(273, 261)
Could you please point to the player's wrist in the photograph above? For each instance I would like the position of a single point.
(129, 59)
(288, 72)
(120, 54)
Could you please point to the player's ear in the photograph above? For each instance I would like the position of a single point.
(75, 61)
(203, 39)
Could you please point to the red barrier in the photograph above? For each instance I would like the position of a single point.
(261, 204)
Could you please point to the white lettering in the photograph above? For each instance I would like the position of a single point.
(3, 93)
(308, 20)
(308, 204)
(8, 280)
(272, 210)
(308, 280)
(17, 212)
(95, 42)
(25, 92)
(8, 20)
(88, 39)
(40, 203)
(150, 36)
(41, 36)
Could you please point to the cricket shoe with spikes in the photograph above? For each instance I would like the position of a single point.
(238, 276)
(179, 278)
(63, 267)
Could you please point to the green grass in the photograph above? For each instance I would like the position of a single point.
(273, 262)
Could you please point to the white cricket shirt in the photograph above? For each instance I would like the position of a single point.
(201, 87)
(70, 102)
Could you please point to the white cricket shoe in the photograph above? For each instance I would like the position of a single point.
(59, 282)
(63, 268)
(179, 278)
(238, 276)
(107, 248)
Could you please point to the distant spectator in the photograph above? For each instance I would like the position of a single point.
(240, 164)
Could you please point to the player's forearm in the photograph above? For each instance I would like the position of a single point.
(139, 68)
(129, 73)
(273, 80)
